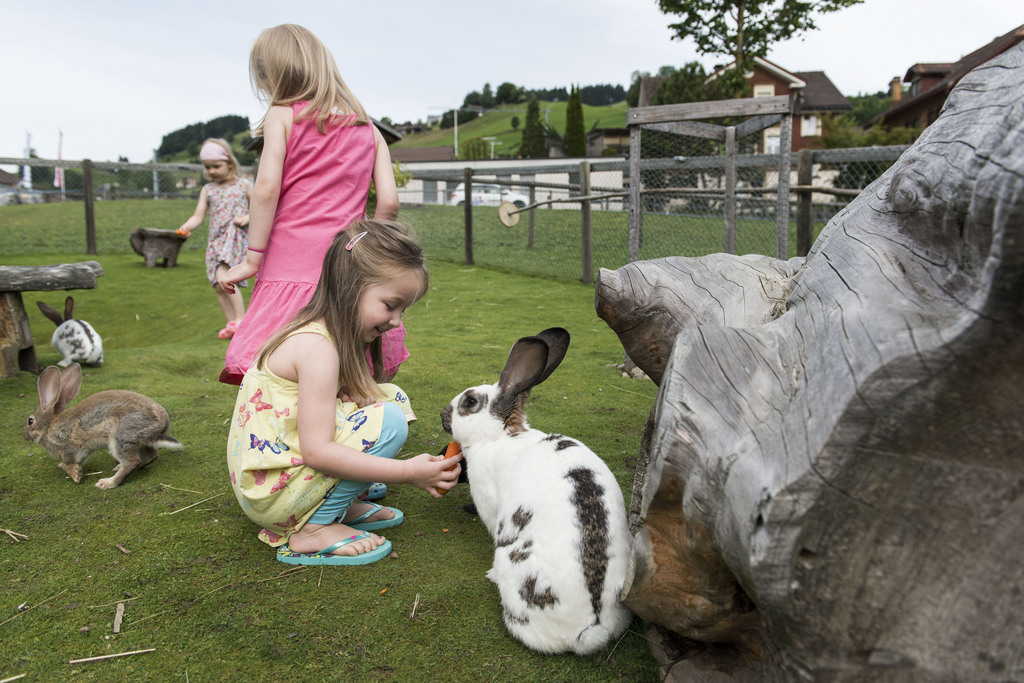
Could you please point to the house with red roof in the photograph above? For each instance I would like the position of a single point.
(931, 82)
(815, 97)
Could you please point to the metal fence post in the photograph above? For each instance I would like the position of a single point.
(636, 211)
(530, 216)
(467, 185)
(586, 232)
(804, 219)
(90, 209)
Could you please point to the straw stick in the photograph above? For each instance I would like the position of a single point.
(14, 534)
(193, 504)
(33, 607)
(96, 659)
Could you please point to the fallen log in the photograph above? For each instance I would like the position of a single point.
(835, 481)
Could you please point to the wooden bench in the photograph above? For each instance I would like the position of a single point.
(17, 352)
(153, 244)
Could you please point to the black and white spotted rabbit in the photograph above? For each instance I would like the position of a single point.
(73, 339)
(554, 509)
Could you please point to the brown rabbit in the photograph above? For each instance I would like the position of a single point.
(131, 426)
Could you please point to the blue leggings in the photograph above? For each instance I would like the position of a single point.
(393, 433)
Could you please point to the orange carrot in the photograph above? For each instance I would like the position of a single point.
(453, 449)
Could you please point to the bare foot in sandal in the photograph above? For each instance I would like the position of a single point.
(359, 508)
(312, 538)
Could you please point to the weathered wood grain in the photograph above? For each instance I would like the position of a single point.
(49, 278)
(835, 477)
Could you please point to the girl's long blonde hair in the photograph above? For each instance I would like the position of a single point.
(386, 251)
(288, 64)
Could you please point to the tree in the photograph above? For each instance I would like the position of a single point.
(465, 116)
(475, 148)
(690, 84)
(602, 95)
(744, 29)
(633, 94)
(509, 93)
(575, 135)
(514, 122)
(533, 145)
(839, 132)
(487, 97)
(866, 107)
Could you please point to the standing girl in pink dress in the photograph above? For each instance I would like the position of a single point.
(226, 197)
(320, 152)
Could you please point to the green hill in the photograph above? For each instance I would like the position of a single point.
(497, 123)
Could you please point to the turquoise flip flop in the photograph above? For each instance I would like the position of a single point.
(376, 491)
(359, 524)
(288, 556)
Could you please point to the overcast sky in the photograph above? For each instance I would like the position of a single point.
(116, 76)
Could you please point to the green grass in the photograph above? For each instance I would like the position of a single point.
(498, 124)
(556, 250)
(197, 585)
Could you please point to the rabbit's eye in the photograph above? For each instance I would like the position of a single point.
(31, 421)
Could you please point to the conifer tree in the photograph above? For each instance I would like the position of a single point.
(532, 145)
(575, 137)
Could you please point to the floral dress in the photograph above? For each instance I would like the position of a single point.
(227, 242)
(271, 482)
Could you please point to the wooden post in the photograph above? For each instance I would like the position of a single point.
(90, 209)
(804, 213)
(467, 184)
(730, 190)
(586, 232)
(782, 201)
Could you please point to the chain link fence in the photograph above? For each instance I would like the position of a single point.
(683, 215)
(51, 180)
(555, 233)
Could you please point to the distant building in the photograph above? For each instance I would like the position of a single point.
(422, 154)
(930, 84)
(816, 96)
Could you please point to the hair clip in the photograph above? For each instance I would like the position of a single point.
(352, 242)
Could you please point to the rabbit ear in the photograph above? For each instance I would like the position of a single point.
(69, 306)
(557, 340)
(50, 312)
(530, 362)
(70, 383)
(49, 387)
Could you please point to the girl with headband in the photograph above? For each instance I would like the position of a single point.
(226, 197)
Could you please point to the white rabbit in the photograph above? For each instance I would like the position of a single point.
(554, 509)
(73, 339)
(131, 426)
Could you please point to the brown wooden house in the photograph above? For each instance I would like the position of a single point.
(930, 84)
(816, 96)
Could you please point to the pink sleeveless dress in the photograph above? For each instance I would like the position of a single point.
(325, 183)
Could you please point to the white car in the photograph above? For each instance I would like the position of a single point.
(488, 195)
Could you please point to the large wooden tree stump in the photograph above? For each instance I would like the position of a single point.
(154, 244)
(835, 478)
